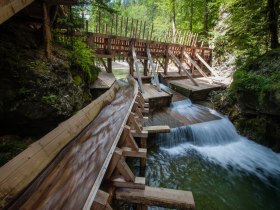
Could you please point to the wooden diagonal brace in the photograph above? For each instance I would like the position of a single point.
(133, 123)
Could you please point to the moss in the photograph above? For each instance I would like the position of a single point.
(252, 101)
(78, 80)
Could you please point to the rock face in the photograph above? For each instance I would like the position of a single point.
(35, 93)
(253, 100)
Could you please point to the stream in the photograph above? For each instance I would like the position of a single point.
(223, 169)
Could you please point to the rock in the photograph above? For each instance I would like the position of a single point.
(35, 93)
(252, 101)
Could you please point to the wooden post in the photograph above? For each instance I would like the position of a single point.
(109, 60)
(46, 30)
(146, 62)
(166, 60)
(143, 161)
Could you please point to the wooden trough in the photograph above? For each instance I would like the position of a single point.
(114, 174)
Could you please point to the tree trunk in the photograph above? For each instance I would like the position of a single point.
(191, 16)
(206, 17)
(46, 30)
(273, 14)
(173, 19)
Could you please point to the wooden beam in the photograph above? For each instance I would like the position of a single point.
(46, 30)
(11, 8)
(137, 68)
(140, 153)
(113, 163)
(155, 75)
(206, 64)
(175, 59)
(157, 129)
(125, 171)
(152, 196)
(119, 181)
(195, 65)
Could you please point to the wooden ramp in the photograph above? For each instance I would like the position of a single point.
(156, 98)
(168, 198)
(186, 87)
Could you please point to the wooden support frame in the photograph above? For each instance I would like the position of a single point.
(197, 67)
(175, 59)
(206, 64)
(137, 68)
(155, 75)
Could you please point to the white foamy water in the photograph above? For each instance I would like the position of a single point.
(217, 141)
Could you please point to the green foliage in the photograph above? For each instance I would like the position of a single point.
(82, 60)
(260, 77)
(49, 99)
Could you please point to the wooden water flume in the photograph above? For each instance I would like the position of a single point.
(115, 176)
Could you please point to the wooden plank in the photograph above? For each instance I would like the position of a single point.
(11, 8)
(206, 64)
(141, 134)
(157, 129)
(119, 181)
(153, 196)
(21, 170)
(129, 152)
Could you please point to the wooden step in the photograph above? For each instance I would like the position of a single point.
(153, 196)
(157, 129)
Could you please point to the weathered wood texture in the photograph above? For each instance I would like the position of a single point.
(168, 198)
(19, 172)
(157, 129)
(9, 8)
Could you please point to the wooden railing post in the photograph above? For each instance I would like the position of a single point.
(109, 60)
(166, 60)
(46, 30)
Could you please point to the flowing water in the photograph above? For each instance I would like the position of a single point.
(223, 169)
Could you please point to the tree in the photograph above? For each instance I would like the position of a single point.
(273, 14)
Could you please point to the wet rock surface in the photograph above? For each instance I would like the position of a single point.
(35, 93)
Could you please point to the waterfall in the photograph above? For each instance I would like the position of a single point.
(218, 141)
